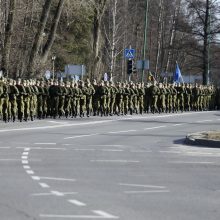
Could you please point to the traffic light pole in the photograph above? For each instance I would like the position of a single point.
(145, 38)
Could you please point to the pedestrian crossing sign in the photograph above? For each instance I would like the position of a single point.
(129, 53)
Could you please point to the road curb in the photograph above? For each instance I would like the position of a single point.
(199, 139)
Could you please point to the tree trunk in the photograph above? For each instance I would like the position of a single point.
(53, 30)
(159, 38)
(8, 36)
(99, 10)
(38, 37)
(172, 35)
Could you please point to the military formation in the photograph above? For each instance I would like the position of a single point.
(26, 100)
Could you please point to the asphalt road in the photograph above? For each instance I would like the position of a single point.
(129, 168)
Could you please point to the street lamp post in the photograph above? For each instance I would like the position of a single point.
(53, 62)
(145, 38)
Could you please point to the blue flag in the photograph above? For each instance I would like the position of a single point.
(177, 74)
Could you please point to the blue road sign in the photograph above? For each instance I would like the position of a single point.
(129, 53)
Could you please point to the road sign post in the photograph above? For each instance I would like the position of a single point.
(129, 53)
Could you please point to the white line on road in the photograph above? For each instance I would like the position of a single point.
(141, 151)
(25, 153)
(116, 161)
(44, 185)
(76, 202)
(31, 172)
(35, 178)
(191, 162)
(204, 121)
(24, 157)
(155, 128)
(9, 159)
(26, 167)
(106, 145)
(56, 193)
(27, 149)
(175, 125)
(45, 143)
(81, 136)
(104, 214)
(84, 149)
(148, 191)
(24, 161)
(43, 148)
(5, 147)
(112, 150)
(57, 179)
(101, 122)
(145, 186)
(170, 152)
(57, 122)
(116, 132)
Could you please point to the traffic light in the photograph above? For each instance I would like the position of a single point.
(130, 67)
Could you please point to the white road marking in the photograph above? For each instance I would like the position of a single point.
(27, 149)
(107, 145)
(25, 153)
(139, 185)
(43, 148)
(104, 214)
(141, 151)
(31, 172)
(116, 161)
(155, 128)
(80, 136)
(56, 193)
(35, 178)
(76, 202)
(177, 125)
(148, 191)
(57, 179)
(84, 149)
(24, 157)
(24, 161)
(191, 162)
(45, 143)
(5, 147)
(204, 121)
(170, 152)
(116, 132)
(56, 126)
(44, 185)
(26, 167)
(9, 159)
(102, 122)
(57, 122)
(113, 150)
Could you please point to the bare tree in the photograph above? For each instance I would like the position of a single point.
(38, 36)
(8, 35)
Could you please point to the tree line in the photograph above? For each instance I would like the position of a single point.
(96, 32)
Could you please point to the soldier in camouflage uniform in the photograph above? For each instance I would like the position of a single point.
(13, 93)
(154, 91)
(20, 99)
(90, 91)
(5, 101)
(141, 93)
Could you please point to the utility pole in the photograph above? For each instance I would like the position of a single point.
(145, 38)
(209, 43)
